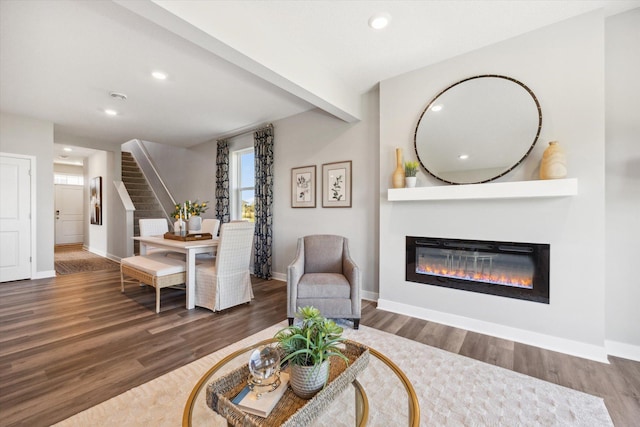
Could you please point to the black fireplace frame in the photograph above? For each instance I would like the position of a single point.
(540, 252)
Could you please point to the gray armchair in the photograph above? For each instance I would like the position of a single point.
(323, 275)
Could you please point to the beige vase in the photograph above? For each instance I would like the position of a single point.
(554, 162)
(398, 174)
(306, 381)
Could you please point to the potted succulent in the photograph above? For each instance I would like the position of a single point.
(307, 347)
(410, 171)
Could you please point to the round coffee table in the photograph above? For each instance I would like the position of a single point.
(382, 394)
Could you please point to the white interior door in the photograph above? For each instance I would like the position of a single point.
(69, 214)
(15, 218)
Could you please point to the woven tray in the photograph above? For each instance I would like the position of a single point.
(291, 410)
(188, 237)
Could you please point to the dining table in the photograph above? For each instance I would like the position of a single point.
(190, 248)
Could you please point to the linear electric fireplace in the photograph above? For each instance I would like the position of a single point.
(514, 270)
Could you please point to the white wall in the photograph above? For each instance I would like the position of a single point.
(310, 138)
(27, 136)
(188, 173)
(563, 64)
(314, 138)
(98, 236)
(623, 183)
(68, 169)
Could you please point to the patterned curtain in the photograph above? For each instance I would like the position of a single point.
(263, 149)
(222, 181)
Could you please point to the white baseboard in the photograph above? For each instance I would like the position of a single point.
(43, 274)
(279, 276)
(574, 348)
(368, 295)
(112, 257)
(97, 252)
(623, 350)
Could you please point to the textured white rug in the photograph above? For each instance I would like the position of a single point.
(452, 390)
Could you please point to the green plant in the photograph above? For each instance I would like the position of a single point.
(312, 342)
(188, 209)
(410, 168)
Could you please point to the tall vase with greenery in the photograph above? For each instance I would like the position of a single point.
(308, 347)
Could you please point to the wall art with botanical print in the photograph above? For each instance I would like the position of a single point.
(303, 187)
(95, 200)
(336, 185)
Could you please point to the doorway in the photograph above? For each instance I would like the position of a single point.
(69, 202)
(15, 217)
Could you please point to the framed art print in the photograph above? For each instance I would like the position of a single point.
(303, 187)
(336, 185)
(95, 200)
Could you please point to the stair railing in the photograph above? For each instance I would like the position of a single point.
(150, 172)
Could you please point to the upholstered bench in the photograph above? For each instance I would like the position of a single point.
(158, 271)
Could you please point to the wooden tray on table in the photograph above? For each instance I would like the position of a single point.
(188, 237)
(290, 410)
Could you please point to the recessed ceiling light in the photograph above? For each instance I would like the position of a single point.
(111, 112)
(463, 156)
(379, 21)
(67, 149)
(159, 75)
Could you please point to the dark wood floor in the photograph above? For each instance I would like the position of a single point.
(71, 342)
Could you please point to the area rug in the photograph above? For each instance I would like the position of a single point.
(452, 390)
(76, 260)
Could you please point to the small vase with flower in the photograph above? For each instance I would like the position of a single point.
(188, 217)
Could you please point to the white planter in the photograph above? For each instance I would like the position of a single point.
(410, 181)
(195, 224)
(306, 381)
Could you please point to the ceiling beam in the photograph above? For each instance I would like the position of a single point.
(327, 94)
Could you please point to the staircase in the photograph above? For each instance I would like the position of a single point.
(143, 198)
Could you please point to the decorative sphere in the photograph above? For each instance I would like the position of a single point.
(264, 363)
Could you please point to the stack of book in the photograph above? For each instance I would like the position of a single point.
(262, 406)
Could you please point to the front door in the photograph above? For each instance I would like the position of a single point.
(15, 218)
(69, 214)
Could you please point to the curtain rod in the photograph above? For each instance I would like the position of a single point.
(244, 132)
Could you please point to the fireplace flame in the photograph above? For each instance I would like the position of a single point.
(496, 279)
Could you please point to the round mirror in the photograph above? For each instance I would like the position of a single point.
(478, 129)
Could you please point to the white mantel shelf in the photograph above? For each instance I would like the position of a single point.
(499, 190)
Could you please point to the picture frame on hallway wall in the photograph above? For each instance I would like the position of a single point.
(303, 187)
(336, 184)
(95, 200)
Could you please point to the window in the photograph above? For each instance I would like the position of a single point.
(243, 183)
(63, 178)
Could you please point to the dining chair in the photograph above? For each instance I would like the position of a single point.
(209, 226)
(225, 281)
(153, 227)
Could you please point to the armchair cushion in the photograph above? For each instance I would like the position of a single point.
(324, 285)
